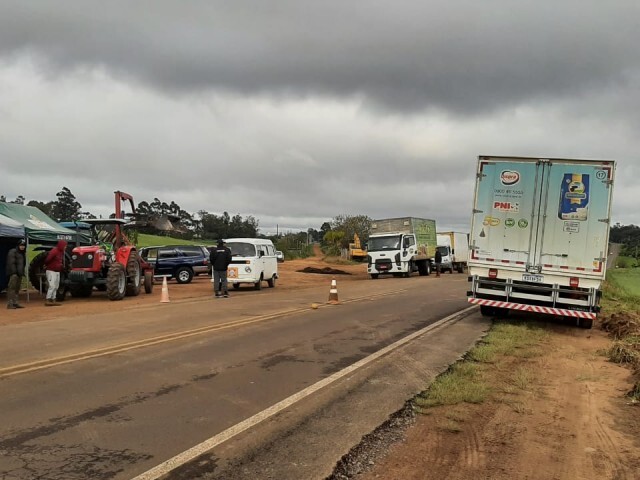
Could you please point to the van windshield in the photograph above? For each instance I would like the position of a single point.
(241, 249)
(392, 242)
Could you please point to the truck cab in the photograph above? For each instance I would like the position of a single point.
(391, 254)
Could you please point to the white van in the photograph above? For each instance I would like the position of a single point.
(253, 261)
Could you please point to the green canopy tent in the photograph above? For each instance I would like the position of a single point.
(39, 228)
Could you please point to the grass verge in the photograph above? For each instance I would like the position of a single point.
(506, 344)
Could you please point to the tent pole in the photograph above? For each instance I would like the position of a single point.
(26, 255)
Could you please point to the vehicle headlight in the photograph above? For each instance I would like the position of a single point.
(247, 269)
(90, 257)
(74, 257)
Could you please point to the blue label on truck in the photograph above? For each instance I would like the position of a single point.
(574, 197)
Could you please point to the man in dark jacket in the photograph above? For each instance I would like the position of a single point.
(54, 264)
(438, 262)
(220, 260)
(16, 261)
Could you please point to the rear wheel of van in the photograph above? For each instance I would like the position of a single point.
(258, 284)
(272, 281)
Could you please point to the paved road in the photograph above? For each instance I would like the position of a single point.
(110, 397)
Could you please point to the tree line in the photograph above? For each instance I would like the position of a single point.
(335, 234)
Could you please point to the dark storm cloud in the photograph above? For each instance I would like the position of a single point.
(464, 56)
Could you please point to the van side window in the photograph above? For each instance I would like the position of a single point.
(270, 250)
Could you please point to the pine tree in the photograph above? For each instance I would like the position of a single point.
(66, 207)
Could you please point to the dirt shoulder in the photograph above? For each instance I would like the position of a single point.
(567, 418)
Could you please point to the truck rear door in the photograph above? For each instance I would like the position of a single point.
(573, 221)
(508, 193)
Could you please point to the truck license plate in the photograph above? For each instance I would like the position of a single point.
(529, 277)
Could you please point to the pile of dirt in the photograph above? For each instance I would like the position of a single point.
(624, 327)
(325, 271)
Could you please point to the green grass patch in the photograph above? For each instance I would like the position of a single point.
(461, 384)
(622, 286)
(146, 240)
(523, 378)
(466, 381)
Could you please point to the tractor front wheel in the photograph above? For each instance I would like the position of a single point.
(116, 282)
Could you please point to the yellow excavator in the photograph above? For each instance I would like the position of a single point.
(356, 252)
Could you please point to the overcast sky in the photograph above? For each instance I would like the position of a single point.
(296, 111)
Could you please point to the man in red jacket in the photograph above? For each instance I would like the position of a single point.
(54, 264)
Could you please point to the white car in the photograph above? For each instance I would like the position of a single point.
(279, 256)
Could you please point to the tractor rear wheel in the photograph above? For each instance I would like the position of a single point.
(116, 282)
(37, 274)
(148, 281)
(133, 275)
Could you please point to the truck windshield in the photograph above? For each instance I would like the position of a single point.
(443, 251)
(241, 249)
(391, 242)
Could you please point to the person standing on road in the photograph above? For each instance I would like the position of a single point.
(54, 264)
(220, 260)
(16, 262)
(438, 261)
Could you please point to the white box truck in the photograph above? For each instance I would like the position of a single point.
(400, 246)
(539, 236)
(454, 248)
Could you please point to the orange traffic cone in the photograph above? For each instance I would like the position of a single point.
(164, 298)
(333, 293)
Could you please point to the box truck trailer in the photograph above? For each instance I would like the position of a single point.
(539, 236)
(400, 246)
(454, 248)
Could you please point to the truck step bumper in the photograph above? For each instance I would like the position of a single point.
(532, 308)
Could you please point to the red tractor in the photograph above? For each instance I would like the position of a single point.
(112, 264)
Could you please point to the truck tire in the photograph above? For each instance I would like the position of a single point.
(133, 275)
(460, 268)
(585, 323)
(116, 282)
(487, 311)
(422, 268)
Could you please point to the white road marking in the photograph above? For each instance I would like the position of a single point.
(188, 455)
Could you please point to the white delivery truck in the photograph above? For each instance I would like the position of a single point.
(400, 246)
(539, 236)
(454, 248)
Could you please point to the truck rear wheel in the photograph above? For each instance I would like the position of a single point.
(585, 323)
(487, 311)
